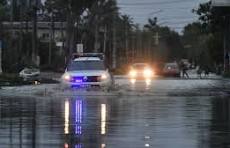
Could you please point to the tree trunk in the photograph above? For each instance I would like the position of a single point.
(96, 43)
(1, 32)
(70, 34)
(51, 39)
(114, 52)
(0, 57)
(126, 45)
(105, 39)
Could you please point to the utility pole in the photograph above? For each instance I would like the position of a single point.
(34, 34)
(156, 37)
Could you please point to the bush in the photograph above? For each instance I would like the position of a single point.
(10, 79)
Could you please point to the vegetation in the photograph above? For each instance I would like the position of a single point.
(204, 39)
(101, 28)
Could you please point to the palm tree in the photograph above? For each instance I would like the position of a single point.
(2, 16)
(152, 24)
(101, 16)
(128, 23)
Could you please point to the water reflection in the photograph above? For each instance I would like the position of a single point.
(103, 145)
(66, 117)
(103, 119)
(78, 146)
(139, 84)
(78, 117)
(66, 145)
(116, 122)
(77, 111)
(220, 124)
(148, 82)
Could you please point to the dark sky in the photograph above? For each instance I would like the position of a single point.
(173, 13)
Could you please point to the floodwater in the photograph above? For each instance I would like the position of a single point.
(128, 121)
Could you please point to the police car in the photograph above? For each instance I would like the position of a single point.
(87, 70)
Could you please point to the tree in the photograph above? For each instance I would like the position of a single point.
(101, 15)
(211, 19)
(71, 10)
(215, 23)
(3, 13)
(152, 24)
(127, 23)
(194, 40)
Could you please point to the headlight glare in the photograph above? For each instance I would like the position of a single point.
(148, 73)
(133, 73)
(104, 76)
(66, 77)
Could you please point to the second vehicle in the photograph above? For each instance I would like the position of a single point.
(141, 71)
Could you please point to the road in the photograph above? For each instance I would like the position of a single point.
(166, 113)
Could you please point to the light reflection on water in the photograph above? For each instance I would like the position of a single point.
(103, 119)
(140, 84)
(115, 122)
(66, 130)
(78, 117)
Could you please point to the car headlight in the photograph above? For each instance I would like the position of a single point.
(133, 73)
(66, 77)
(148, 73)
(104, 77)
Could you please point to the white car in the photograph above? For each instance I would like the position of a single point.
(141, 71)
(86, 71)
(29, 74)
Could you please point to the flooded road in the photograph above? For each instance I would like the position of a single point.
(122, 121)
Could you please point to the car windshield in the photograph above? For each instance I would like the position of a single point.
(86, 65)
(139, 66)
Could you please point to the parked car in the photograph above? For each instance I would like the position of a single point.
(171, 69)
(30, 74)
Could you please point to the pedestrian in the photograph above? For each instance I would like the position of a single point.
(184, 70)
(206, 72)
(199, 72)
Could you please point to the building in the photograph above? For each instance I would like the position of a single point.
(44, 29)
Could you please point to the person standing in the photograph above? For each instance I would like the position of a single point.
(184, 69)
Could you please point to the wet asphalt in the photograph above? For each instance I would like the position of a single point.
(163, 113)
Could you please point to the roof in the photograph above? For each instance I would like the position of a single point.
(99, 56)
(87, 59)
